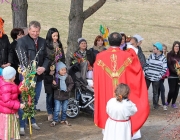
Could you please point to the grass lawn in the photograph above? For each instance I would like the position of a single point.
(156, 20)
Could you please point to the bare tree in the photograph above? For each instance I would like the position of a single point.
(76, 20)
(19, 13)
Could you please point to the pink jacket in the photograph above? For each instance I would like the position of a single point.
(9, 102)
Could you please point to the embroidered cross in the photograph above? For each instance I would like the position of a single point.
(113, 73)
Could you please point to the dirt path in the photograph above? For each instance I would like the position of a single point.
(83, 128)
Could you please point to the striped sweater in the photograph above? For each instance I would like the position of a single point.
(155, 67)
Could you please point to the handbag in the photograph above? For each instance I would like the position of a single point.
(166, 74)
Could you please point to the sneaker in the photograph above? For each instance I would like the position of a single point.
(164, 107)
(155, 106)
(22, 132)
(35, 126)
(174, 106)
(166, 103)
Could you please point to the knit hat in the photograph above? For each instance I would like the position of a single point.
(159, 46)
(139, 38)
(81, 40)
(59, 66)
(8, 73)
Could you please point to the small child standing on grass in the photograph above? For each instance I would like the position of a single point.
(119, 109)
(62, 87)
(9, 105)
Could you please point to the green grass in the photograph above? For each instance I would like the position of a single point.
(154, 21)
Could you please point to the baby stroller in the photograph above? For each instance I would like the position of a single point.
(84, 95)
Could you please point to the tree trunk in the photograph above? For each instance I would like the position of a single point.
(19, 13)
(76, 20)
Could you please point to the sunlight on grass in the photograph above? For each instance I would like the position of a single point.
(153, 21)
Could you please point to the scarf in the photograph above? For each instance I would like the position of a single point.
(63, 85)
(122, 46)
(99, 49)
(1, 27)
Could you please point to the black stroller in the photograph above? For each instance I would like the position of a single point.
(83, 94)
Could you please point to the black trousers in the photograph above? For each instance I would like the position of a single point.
(161, 91)
(155, 87)
(173, 90)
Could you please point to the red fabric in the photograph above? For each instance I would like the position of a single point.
(166, 74)
(133, 76)
(9, 103)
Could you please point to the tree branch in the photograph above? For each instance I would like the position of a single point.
(91, 10)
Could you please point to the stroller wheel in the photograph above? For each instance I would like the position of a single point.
(72, 110)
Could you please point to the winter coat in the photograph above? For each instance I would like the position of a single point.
(9, 103)
(5, 51)
(171, 63)
(27, 45)
(97, 50)
(62, 95)
(89, 55)
(48, 79)
(15, 62)
(141, 57)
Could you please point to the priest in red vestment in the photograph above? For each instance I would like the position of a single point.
(115, 66)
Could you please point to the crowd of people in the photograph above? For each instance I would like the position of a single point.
(51, 68)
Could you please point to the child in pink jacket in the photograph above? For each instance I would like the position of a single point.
(9, 105)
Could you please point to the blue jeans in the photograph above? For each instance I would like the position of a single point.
(49, 103)
(58, 105)
(21, 121)
(37, 95)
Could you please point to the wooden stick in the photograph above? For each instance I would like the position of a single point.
(30, 127)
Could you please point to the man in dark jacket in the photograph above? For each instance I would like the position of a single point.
(32, 47)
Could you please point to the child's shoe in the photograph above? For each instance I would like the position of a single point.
(66, 122)
(54, 124)
(164, 107)
(174, 106)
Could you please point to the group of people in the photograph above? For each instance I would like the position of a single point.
(125, 61)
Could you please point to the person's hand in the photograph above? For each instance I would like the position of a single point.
(17, 115)
(8, 64)
(52, 72)
(40, 70)
(3, 66)
(54, 82)
(22, 106)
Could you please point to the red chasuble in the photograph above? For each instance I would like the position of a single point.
(112, 67)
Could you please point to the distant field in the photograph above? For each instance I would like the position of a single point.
(156, 20)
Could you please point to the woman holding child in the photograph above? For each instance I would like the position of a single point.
(55, 54)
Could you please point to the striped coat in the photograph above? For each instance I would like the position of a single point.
(155, 67)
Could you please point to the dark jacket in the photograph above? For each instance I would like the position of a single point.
(28, 48)
(89, 55)
(171, 57)
(48, 79)
(5, 51)
(141, 57)
(15, 62)
(95, 51)
(62, 95)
